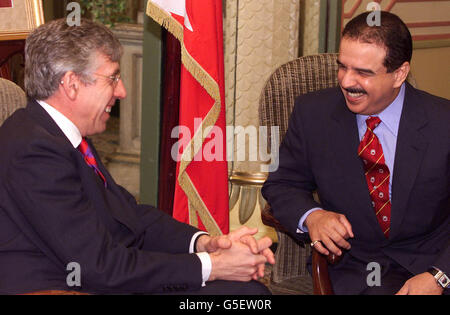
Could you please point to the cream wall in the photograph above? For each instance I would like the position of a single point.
(259, 36)
(431, 69)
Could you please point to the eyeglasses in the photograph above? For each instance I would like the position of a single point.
(114, 78)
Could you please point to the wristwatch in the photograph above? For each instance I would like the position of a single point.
(441, 278)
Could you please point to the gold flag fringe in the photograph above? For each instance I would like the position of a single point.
(196, 204)
(164, 19)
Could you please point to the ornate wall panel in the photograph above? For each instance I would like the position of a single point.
(310, 25)
(427, 20)
(124, 165)
(259, 36)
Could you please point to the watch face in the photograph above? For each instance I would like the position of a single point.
(444, 281)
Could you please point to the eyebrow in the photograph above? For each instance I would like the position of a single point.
(368, 71)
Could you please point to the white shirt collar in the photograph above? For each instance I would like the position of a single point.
(67, 127)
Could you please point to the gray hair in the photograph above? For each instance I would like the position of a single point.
(56, 48)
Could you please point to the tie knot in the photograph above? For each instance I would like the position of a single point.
(373, 122)
(83, 147)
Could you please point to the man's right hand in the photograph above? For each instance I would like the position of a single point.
(331, 229)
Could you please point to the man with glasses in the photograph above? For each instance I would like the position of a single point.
(60, 207)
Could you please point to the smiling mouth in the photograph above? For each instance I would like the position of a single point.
(108, 108)
(353, 93)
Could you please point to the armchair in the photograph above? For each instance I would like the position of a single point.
(299, 76)
(12, 97)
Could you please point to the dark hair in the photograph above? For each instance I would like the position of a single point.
(392, 34)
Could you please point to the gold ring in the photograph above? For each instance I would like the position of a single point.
(314, 243)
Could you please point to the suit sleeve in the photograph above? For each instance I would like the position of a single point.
(289, 189)
(56, 215)
(162, 232)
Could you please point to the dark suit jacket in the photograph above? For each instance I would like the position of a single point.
(319, 152)
(55, 210)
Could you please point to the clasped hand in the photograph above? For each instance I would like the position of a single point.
(237, 256)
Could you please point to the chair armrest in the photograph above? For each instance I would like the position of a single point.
(321, 279)
(269, 220)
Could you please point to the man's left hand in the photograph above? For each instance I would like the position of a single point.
(422, 284)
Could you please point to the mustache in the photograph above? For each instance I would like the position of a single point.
(352, 90)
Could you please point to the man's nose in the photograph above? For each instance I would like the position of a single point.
(346, 78)
(119, 91)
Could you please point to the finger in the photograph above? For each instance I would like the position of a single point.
(257, 275)
(251, 243)
(331, 246)
(338, 240)
(403, 291)
(219, 242)
(340, 229)
(321, 249)
(261, 270)
(264, 243)
(251, 273)
(242, 231)
(347, 225)
(224, 242)
(269, 255)
(259, 260)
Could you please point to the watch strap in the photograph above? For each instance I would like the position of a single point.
(441, 278)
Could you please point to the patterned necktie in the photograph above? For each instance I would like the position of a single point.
(89, 158)
(377, 174)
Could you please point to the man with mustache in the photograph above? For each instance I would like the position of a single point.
(377, 151)
(59, 206)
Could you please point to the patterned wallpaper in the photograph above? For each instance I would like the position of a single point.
(427, 20)
(260, 35)
(310, 25)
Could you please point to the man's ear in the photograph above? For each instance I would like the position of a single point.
(401, 74)
(70, 84)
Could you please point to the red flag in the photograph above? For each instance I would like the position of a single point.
(201, 192)
(6, 4)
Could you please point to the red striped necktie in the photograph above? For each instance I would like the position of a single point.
(377, 174)
(89, 158)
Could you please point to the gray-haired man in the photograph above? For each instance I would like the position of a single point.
(59, 205)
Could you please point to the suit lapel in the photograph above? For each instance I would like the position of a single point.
(44, 119)
(115, 207)
(410, 149)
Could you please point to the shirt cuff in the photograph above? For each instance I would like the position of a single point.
(194, 241)
(301, 228)
(203, 256)
(206, 266)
